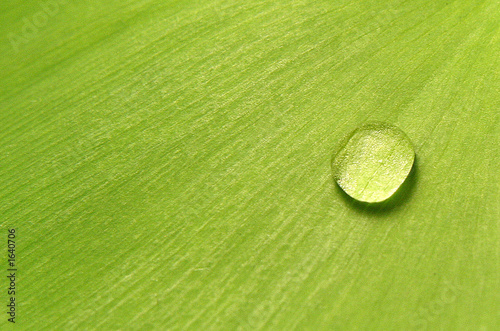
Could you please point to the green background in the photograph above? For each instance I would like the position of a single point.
(167, 164)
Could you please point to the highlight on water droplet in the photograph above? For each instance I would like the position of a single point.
(373, 162)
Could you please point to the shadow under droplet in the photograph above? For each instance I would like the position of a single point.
(398, 199)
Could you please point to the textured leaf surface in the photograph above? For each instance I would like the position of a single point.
(167, 164)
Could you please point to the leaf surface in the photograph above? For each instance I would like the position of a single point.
(167, 164)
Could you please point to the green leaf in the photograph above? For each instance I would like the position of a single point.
(166, 165)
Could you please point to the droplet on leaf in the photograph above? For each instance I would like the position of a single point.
(373, 162)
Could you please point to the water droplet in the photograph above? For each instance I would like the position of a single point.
(373, 162)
